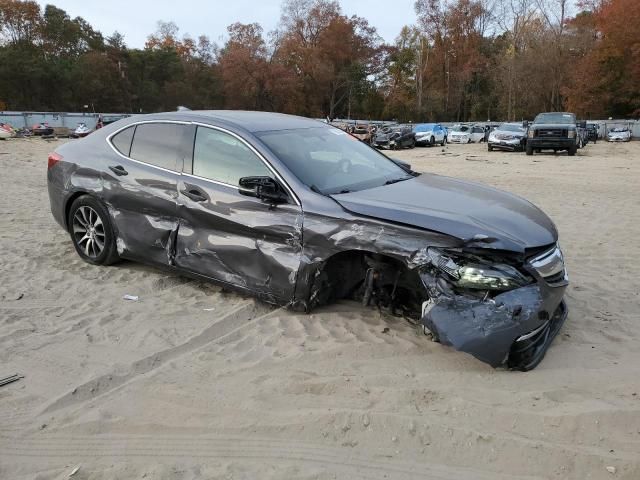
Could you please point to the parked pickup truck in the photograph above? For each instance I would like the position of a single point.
(554, 131)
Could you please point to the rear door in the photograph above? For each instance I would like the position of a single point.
(229, 236)
(477, 134)
(141, 188)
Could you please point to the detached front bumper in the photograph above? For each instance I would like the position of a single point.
(514, 329)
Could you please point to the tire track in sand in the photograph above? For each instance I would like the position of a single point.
(247, 313)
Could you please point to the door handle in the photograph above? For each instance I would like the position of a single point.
(194, 194)
(119, 170)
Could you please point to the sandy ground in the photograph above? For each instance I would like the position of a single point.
(193, 382)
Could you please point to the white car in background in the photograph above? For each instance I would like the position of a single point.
(430, 134)
(619, 134)
(466, 134)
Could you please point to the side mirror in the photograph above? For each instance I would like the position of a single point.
(264, 188)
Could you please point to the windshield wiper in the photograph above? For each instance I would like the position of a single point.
(396, 180)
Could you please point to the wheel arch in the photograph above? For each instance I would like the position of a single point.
(342, 275)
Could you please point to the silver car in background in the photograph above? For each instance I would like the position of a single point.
(619, 134)
(508, 136)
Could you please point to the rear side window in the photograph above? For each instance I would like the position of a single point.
(158, 144)
(222, 157)
(122, 140)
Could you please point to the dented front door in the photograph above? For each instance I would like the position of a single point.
(232, 237)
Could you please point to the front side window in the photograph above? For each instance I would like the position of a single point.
(158, 144)
(222, 157)
(330, 161)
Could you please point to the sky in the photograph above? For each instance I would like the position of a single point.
(136, 19)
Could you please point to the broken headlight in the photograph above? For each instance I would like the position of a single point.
(470, 271)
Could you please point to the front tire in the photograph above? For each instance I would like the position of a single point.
(529, 150)
(572, 151)
(489, 147)
(91, 231)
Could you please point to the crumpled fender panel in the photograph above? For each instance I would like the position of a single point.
(324, 237)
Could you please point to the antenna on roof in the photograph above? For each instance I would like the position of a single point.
(182, 108)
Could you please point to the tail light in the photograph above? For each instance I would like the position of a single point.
(53, 159)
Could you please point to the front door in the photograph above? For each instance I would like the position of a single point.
(229, 236)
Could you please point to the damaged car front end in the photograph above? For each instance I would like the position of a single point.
(301, 214)
(502, 311)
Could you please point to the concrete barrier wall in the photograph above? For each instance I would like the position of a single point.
(54, 119)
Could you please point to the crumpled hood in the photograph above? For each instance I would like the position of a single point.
(383, 137)
(458, 208)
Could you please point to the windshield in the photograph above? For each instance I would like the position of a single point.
(424, 127)
(555, 118)
(330, 161)
(506, 127)
(460, 128)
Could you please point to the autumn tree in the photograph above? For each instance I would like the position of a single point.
(604, 81)
(331, 54)
(20, 21)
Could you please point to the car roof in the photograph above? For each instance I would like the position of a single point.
(243, 119)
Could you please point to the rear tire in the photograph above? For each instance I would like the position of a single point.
(91, 231)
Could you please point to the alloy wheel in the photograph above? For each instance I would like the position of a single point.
(88, 231)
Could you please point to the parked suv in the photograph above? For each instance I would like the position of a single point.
(554, 131)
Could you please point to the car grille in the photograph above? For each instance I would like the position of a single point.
(551, 132)
(550, 265)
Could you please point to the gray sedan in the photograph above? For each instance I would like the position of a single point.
(300, 213)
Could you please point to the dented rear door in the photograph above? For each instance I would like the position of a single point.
(232, 237)
(141, 189)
